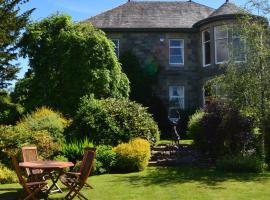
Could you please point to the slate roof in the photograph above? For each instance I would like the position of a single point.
(227, 9)
(152, 14)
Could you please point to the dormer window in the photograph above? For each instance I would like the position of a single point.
(206, 42)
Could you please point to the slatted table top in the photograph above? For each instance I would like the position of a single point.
(47, 164)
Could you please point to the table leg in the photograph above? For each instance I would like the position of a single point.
(54, 176)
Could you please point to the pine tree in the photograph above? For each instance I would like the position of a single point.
(12, 21)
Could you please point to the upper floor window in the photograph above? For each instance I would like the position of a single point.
(227, 38)
(116, 46)
(206, 42)
(176, 52)
(221, 44)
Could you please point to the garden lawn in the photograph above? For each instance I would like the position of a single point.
(169, 184)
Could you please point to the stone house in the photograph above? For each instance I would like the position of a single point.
(188, 40)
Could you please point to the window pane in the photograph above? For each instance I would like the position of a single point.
(222, 50)
(238, 49)
(176, 59)
(206, 36)
(176, 43)
(176, 51)
(221, 32)
(207, 53)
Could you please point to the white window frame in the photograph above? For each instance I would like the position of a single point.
(117, 47)
(215, 33)
(181, 97)
(183, 51)
(240, 61)
(203, 47)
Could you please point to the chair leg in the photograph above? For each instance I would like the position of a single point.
(32, 195)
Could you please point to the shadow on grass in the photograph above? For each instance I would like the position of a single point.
(210, 177)
(15, 194)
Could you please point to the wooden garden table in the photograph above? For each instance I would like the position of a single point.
(48, 167)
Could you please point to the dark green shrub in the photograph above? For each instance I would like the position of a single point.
(105, 159)
(112, 121)
(222, 130)
(45, 119)
(10, 112)
(240, 164)
(133, 156)
(74, 150)
(60, 50)
(7, 176)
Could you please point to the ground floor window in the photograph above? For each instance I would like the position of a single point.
(176, 100)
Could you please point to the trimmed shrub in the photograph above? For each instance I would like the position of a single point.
(105, 159)
(75, 149)
(133, 156)
(7, 176)
(113, 121)
(45, 119)
(240, 164)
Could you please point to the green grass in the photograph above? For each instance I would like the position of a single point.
(186, 142)
(170, 184)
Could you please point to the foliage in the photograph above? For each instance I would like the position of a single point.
(60, 158)
(10, 112)
(12, 21)
(194, 127)
(223, 130)
(7, 176)
(45, 119)
(74, 150)
(73, 59)
(105, 159)
(240, 164)
(133, 156)
(13, 138)
(246, 84)
(112, 121)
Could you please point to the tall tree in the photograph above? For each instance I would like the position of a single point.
(69, 60)
(12, 21)
(247, 84)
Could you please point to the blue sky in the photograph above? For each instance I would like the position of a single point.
(83, 9)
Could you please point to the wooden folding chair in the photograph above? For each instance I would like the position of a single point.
(31, 189)
(30, 154)
(77, 182)
(78, 173)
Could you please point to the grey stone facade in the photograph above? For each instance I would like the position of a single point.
(147, 41)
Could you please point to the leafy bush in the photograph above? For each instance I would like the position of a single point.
(195, 129)
(75, 149)
(7, 176)
(240, 164)
(112, 121)
(105, 159)
(60, 50)
(133, 156)
(12, 138)
(60, 158)
(10, 112)
(222, 130)
(45, 119)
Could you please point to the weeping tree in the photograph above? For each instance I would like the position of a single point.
(247, 83)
